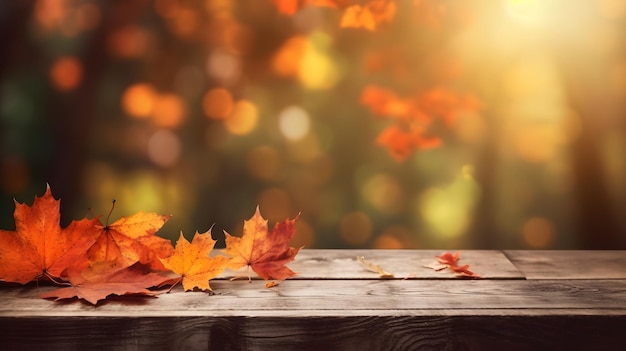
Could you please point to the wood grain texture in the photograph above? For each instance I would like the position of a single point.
(306, 298)
(342, 264)
(335, 304)
(330, 333)
(569, 264)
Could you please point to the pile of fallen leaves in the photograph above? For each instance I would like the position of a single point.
(91, 260)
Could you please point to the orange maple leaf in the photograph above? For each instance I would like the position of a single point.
(401, 144)
(368, 16)
(451, 261)
(39, 246)
(131, 239)
(192, 262)
(413, 116)
(103, 279)
(264, 251)
(290, 7)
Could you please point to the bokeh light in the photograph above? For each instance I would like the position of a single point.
(138, 100)
(385, 124)
(164, 148)
(538, 232)
(447, 210)
(317, 70)
(66, 73)
(384, 192)
(218, 103)
(169, 110)
(294, 122)
(224, 66)
(129, 42)
(243, 119)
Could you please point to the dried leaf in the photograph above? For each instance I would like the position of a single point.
(374, 268)
(435, 265)
(271, 284)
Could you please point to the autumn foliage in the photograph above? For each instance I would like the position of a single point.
(448, 260)
(265, 252)
(415, 119)
(91, 260)
(412, 117)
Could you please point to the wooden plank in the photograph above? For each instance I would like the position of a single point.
(334, 333)
(336, 304)
(569, 264)
(342, 264)
(305, 298)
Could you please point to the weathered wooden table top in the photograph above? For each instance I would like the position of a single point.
(524, 299)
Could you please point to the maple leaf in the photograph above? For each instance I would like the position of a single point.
(192, 262)
(264, 251)
(103, 279)
(448, 258)
(401, 144)
(374, 268)
(412, 117)
(290, 7)
(132, 239)
(39, 246)
(368, 16)
(450, 261)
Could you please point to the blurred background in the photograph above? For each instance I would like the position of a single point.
(386, 123)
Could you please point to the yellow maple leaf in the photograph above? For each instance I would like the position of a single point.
(192, 262)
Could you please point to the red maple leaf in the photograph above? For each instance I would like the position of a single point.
(103, 279)
(266, 252)
(451, 260)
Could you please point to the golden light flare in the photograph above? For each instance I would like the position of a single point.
(66, 73)
(528, 12)
(612, 9)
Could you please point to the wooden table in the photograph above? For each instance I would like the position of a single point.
(524, 300)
